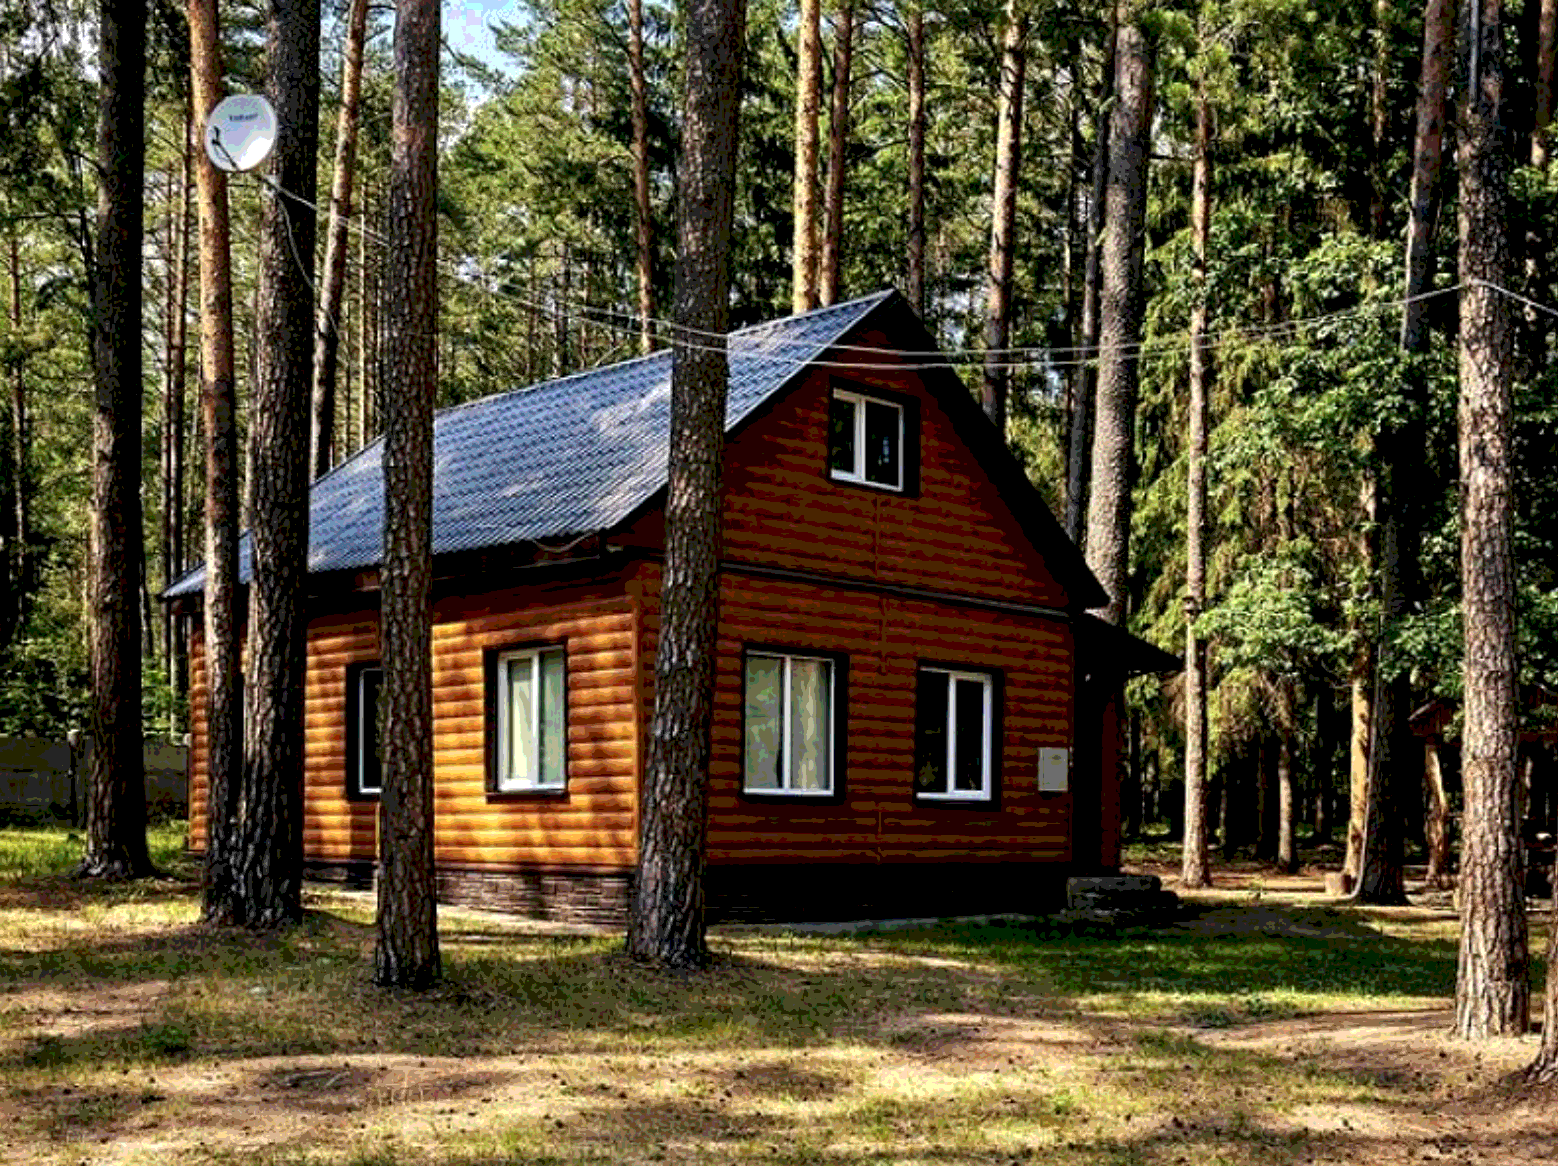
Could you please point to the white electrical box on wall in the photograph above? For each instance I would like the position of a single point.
(1054, 771)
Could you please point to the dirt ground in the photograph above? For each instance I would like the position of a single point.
(1444, 1101)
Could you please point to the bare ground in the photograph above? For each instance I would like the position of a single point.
(980, 1085)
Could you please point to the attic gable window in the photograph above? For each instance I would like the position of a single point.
(867, 440)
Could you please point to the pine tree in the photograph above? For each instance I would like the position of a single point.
(667, 924)
(1492, 987)
(116, 808)
(269, 833)
(407, 952)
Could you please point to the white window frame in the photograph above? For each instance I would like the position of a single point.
(366, 718)
(986, 788)
(786, 788)
(504, 782)
(857, 475)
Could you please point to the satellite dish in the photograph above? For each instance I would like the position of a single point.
(241, 132)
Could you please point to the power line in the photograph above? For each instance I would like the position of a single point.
(1044, 358)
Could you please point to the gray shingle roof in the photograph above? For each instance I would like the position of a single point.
(557, 459)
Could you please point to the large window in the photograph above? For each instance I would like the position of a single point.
(954, 735)
(867, 441)
(792, 735)
(364, 770)
(531, 732)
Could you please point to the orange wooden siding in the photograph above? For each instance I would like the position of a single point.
(593, 824)
(956, 534)
(885, 639)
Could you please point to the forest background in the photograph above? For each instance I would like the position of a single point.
(1312, 106)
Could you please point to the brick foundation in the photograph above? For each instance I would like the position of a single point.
(776, 893)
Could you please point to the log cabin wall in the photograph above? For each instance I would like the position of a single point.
(876, 847)
(567, 853)
(812, 563)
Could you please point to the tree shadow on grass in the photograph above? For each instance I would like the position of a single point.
(768, 1027)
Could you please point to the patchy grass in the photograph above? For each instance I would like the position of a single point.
(130, 1034)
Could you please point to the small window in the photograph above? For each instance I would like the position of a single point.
(364, 759)
(790, 724)
(532, 734)
(954, 735)
(867, 439)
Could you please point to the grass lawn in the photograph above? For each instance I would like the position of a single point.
(1269, 1030)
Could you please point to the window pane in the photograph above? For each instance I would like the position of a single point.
(970, 760)
(519, 757)
(841, 437)
(765, 691)
(882, 441)
(553, 722)
(369, 756)
(930, 733)
(810, 718)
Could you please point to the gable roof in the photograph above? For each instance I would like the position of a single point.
(583, 453)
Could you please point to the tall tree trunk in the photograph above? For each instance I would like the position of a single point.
(1003, 219)
(643, 219)
(175, 414)
(1360, 720)
(407, 952)
(914, 275)
(838, 149)
(1400, 456)
(1546, 57)
(1379, 117)
(218, 401)
(1120, 315)
(667, 924)
(332, 299)
(808, 101)
(1287, 842)
(270, 810)
(116, 810)
(1196, 867)
(1079, 457)
(1492, 988)
(19, 562)
(1437, 826)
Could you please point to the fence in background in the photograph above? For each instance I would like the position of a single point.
(47, 779)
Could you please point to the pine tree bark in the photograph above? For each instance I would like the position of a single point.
(18, 565)
(1492, 988)
(407, 953)
(116, 807)
(667, 925)
(1362, 716)
(643, 221)
(1287, 841)
(1003, 219)
(1437, 827)
(1079, 455)
(218, 402)
(174, 411)
(914, 272)
(332, 288)
(838, 151)
(1195, 866)
(1546, 59)
(1120, 316)
(269, 827)
(808, 101)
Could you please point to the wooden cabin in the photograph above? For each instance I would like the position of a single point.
(903, 645)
